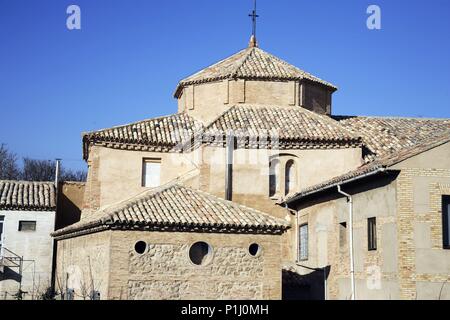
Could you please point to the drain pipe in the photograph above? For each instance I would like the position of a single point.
(230, 146)
(350, 222)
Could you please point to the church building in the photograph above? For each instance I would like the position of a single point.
(246, 193)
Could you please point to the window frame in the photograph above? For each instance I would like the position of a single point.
(300, 243)
(20, 226)
(290, 169)
(446, 222)
(372, 234)
(2, 226)
(144, 171)
(274, 173)
(207, 257)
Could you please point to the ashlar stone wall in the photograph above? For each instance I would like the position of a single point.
(164, 270)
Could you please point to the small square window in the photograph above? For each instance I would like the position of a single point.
(27, 225)
(151, 173)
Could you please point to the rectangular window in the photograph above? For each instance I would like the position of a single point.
(446, 221)
(2, 218)
(303, 242)
(27, 225)
(151, 173)
(372, 233)
(343, 235)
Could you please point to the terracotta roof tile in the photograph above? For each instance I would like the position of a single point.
(24, 195)
(250, 63)
(383, 136)
(167, 132)
(178, 206)
(287, 123)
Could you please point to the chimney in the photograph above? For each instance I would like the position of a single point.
(58, 161)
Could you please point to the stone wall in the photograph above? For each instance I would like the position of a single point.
(207, 101)
(83, 264)
(251, 168)
(206, 167)
(164, 271)
(315, 98)
(108, 167)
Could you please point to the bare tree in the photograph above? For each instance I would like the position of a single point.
(34, 170)
(9, 169)
(38, 170)
(69, 175)
(44, 170)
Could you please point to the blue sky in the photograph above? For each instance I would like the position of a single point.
(125, 62)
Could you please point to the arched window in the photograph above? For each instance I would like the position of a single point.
(290, 177)
(273, 177)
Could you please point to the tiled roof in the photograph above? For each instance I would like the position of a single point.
(158, 133)
(383, 136)
(250, 63)
(284, 123)
(294, 127)
(24, 195)
(179, 208)
(381, 164)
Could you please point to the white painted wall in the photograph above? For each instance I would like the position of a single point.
(34, 246)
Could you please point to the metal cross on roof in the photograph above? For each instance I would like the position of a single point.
(253, 15)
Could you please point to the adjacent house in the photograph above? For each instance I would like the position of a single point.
(27, 217)
(381, 231)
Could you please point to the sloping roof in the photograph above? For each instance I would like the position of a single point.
(24, 195)
(284, 123)
(294, 127)
(380, 165)
(383, 136)
(162, 133)
(251, 63)
(179, 208)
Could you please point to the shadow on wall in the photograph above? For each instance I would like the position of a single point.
(70, 202)
(10, 274)
(310, 286)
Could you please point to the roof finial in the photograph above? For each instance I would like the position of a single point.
(253, 43)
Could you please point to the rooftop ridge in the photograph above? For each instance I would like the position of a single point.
(206, 211)
(345, 117)
(141, 121)
(265, 66)
(25, 181)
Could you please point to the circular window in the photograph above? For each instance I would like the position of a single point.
(254, 249)
(140, 247)
(200, 253)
